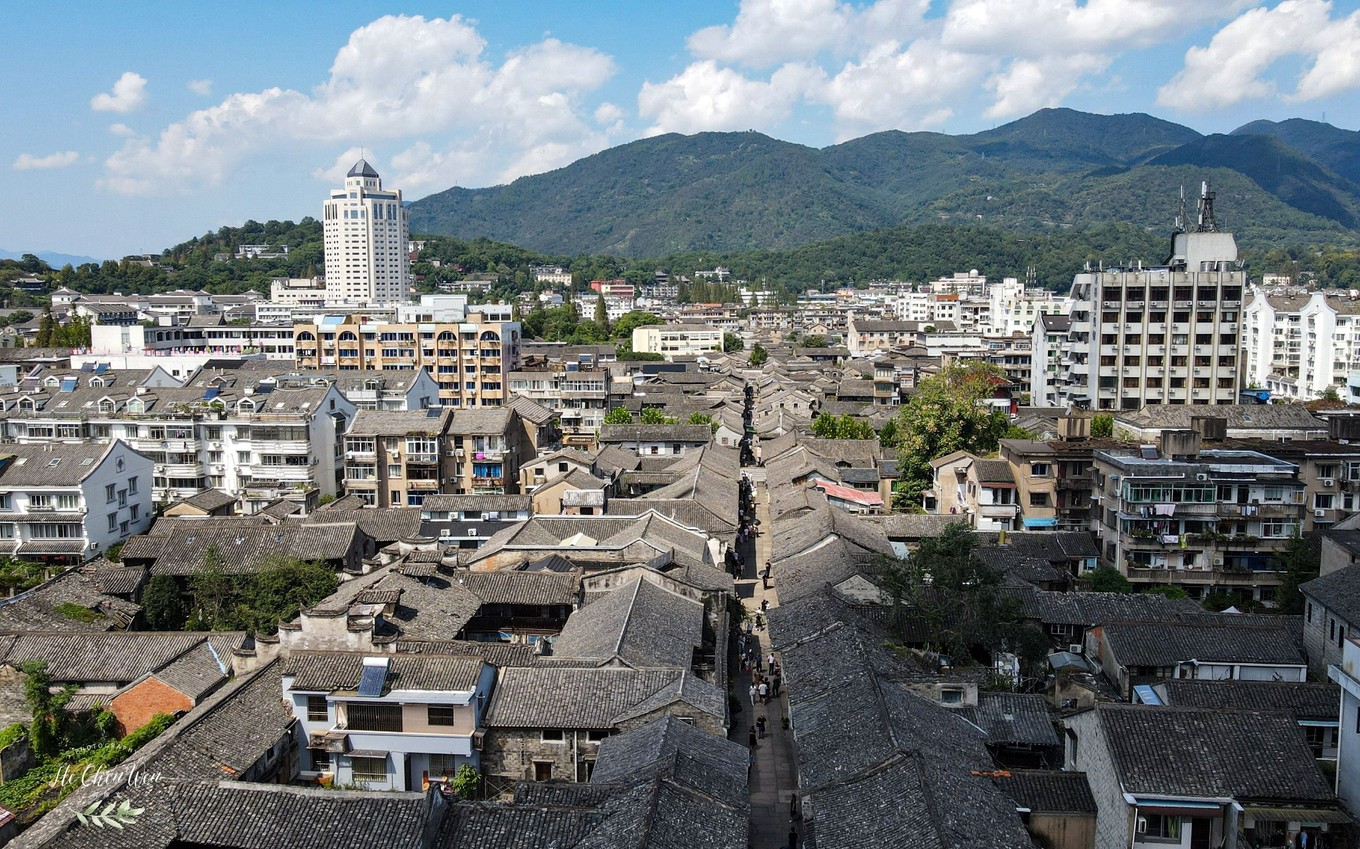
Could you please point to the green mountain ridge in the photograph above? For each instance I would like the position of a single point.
(746, 191)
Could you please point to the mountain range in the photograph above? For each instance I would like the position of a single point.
(52, 258)
(1289, 182)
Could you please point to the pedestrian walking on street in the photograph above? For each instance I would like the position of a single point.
(753, 737)
(793, 839)
(764, 693)
(793, 807)
(777, 681)
(770, 660)
(760, 726)
(765, 577)
(753, 695)
(764, 605)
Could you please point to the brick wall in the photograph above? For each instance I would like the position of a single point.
(135, 706)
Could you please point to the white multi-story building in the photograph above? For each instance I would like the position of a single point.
(671, 340)
(68, 502)
(366, 235)
(261, 439)
(1163, 335)
(1300, 345)
(1047, 342)
(1015, 308)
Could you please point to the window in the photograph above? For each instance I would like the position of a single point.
(595, 735)
(374, 717)
(1161, 827)
(1040, 470)
(317, 710)
(1324, 501)
(321, 760)
(442, 715)
(135, 512)
(951, 697)
(110, 492)
(1038, 499)
(552, 735)
(5, 502)
(369, 769)
(443, 766)
(113, 522)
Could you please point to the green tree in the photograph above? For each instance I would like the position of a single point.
(654, 416)
(602, 313)
(629, 321)
(1169, 591)
(759, 355)
(162, 605)
(1107, 579)
(214, 594)
(48, 709)
(1102, 426)
(47, 327)
(947, 413)
(1300, 562)
(814, 341)
(827, 426)
(466, 783)
(618, 415)
(732, 342)
(943, 589)
(280, 589)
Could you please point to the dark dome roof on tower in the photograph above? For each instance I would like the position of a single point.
(362, 169)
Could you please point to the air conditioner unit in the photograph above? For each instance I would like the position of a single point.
(1074, 648)
(1328, 482)
(477, 738)
(472, 532)
(1202, 476)
(1320, 514)
(1141, 825)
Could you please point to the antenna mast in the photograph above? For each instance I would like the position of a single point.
(1207, 224)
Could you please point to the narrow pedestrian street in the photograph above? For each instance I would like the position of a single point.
(773, 777)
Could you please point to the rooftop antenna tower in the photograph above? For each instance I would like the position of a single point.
(1180, 215)
(1207, 223)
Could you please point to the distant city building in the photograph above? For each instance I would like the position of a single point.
(1163, 335)
(1301, 345)
(366, 239)
(671, 340)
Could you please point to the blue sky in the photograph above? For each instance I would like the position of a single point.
(134, 126)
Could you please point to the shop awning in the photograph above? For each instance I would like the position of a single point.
(1303, 815)
(1041, 523)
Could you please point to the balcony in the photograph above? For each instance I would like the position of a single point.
(1217, 576)
(1260, 511)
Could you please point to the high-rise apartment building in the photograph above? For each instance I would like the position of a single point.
(1158, 335)
(366, 235)
(1300, 345)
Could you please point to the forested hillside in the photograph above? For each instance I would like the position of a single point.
(1056, 168)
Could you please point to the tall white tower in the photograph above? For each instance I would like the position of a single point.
(366, 235)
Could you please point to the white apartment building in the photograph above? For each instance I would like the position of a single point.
(1164, 335)
(365, 237)
(671, 340)
(271, 341)
(1300, 345)
(1048, 340)
(68, 502)
(261, 438)
(1015, 308)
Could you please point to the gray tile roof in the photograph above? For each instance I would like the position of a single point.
(521, 826)
(325, 671)
(1245, 755)
(714, 765)
(1049, 792)
(696, 434)
(39, 609)
(400, 422)
(1338, 591)
(50, 464)
(589, 698)
(1313, 700)
(1014, 719)
(496, 654)
(209, 499)
(120, 657)
(518, 587)
(1238, 416)
(197, 672)
(384, 524)
(458, 503)
(1163, 644)
(239, 725)
(640, 623)
(481, 421)
(242, 549)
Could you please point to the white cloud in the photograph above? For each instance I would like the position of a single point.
(888, 64)
(1029, 84)
(121, 129)
(707, 97)
(334, 174)
(202, 88)
(61, 159)
(399, 80)
(128, 95)
(1234, 66)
